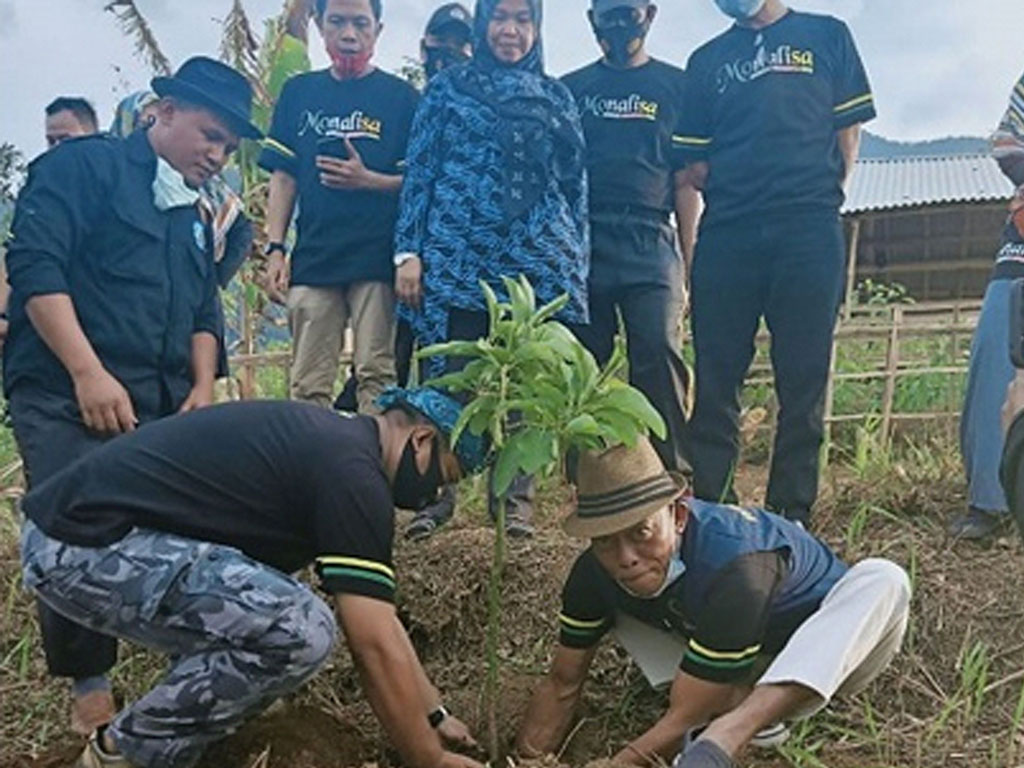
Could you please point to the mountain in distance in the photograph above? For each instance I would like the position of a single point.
(874, 147)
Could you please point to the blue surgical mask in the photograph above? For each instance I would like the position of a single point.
(170, 189)
(740, 9)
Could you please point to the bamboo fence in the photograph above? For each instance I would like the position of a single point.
(890, 327)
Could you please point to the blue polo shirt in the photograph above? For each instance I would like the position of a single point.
(751, 579)
(142, 281)
(763, 108)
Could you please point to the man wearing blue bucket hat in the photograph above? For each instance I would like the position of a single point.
(165, 538)
(114, 319)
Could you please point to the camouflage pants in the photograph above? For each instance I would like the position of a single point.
(239, 633)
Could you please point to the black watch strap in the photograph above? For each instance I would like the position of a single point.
(438, 716)
(272, 247)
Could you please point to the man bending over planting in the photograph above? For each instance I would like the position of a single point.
(752, 619)
(181, 537)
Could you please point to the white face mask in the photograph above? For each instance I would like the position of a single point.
(170, 189)
(676, 569)
(741, 9)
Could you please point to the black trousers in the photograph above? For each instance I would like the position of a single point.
(468, 325)
(50, 436)
(790, 270)
(637, 270)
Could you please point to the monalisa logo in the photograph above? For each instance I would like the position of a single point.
(783, 60)
(355, 126)
(632, 107)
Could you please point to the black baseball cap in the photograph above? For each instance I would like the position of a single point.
(449, 14)
(603, 6)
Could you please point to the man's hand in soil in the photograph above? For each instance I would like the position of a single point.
(105, 404)
(346, 174)
(455, 734)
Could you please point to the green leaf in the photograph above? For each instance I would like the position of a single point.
(454, 349)
(548, 311)
(632, 402)
(583, 425)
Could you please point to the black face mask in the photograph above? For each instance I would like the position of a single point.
(414, 491)
(621, 41)
(440, 58)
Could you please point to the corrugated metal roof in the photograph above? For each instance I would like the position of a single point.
(910, 182)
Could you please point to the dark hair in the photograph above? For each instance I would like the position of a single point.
(76, 105)
(376, 5)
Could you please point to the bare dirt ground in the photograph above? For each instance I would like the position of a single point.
(954, 698)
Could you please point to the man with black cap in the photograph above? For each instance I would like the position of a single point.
(750, 619)
(166, 538)
(448, 39)
(631, 105)
(771, 132)
(114, 313)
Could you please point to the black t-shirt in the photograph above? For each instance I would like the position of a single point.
(344, 236)
(287, 483)
(763, 108)
(630, 117)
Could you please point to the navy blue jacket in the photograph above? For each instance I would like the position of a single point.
(142, 281)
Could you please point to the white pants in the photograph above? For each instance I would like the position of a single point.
(838, 651)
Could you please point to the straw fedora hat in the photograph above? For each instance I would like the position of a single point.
(618, 488)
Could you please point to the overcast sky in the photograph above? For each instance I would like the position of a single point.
(938, 68)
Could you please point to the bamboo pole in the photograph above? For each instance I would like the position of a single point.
(851, 269)
(830, 391)
(891, 366)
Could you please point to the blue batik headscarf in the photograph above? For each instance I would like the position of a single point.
(517, 93)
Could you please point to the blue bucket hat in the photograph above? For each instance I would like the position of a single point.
(444, 412)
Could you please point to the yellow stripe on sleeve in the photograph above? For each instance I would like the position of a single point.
(860, 100)
(571, 622)
(726, 655)
(354, 562)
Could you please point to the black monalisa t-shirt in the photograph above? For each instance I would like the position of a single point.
(344, 236)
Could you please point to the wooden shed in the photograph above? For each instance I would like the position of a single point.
(932, 224)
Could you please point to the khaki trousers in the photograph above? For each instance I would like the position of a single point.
(318, 317)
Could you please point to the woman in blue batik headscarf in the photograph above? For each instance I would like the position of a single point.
(495, 185)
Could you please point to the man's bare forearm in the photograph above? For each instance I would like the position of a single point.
(204, 358)
(280, 205)
(849, 146)
(55, 320)
(384, 182)
(548, 718)
(688, 205)
(390, 674)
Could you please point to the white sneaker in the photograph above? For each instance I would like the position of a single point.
(771, 737)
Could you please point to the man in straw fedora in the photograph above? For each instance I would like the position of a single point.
(751, 619)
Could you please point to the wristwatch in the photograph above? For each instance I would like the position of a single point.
(438, 716)
(271, 247)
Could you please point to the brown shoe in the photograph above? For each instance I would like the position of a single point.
(94, 757)
(92, 711)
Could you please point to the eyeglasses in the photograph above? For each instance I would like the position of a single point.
(620, 17)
